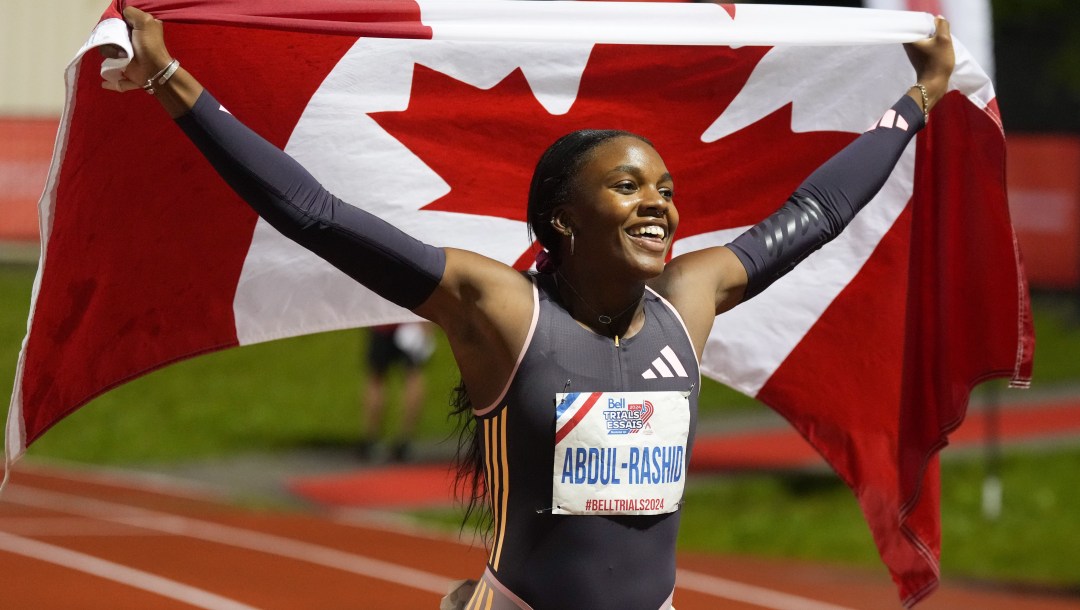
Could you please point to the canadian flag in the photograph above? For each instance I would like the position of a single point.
(431, 114)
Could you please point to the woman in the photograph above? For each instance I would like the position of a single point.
(584, 376)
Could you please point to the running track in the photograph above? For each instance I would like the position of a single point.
(72, 539)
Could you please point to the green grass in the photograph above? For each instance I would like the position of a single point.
(1038, 534)
(305, 391)
(284, 394)
(816, 517)
(290, 393)
(1057, 338)
(809, 516)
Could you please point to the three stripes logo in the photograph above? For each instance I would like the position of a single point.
(890, 119)
(667, 365)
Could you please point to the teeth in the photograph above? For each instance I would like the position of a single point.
(650, 230)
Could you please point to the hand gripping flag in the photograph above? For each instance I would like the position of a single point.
(431, 114)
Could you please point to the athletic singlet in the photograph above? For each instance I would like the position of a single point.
(552, 561)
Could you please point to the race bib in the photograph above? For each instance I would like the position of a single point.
(619, 453)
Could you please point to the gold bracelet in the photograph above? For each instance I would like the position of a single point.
(925, 102)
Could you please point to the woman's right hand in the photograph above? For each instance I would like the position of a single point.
(180, 93)
(933, 59)
(148, 42)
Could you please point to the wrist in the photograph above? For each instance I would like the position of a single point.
(936, 86)
(161, 77)
(919, 93)
(927, 93)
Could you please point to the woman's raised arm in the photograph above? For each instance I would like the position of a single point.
(483, 305)
(711, 281)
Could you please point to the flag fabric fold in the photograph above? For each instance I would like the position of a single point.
(431, 114)
(556, 21)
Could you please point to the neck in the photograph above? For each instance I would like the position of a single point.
(607, 307)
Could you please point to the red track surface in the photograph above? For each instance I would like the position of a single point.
(77, 539)
(84, 539)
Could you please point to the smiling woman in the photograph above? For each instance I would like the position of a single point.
(610, 192)
(580, 381)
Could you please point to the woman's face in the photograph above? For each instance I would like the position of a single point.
(622, 208)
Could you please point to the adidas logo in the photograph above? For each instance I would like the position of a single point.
(890, 119)
(667, 365)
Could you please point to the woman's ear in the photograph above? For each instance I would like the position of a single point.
(560, 222)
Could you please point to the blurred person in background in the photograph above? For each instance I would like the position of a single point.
(404, 346)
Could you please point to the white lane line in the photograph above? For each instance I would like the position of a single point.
(122, 574)
(44, 527)
(748, 594)
(373, 568)
(231, 536)
(399, 523)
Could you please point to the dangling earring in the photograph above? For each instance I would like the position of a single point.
(567, 232)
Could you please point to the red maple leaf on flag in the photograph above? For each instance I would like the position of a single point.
(485, 143)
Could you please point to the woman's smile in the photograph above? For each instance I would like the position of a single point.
(650, 237)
